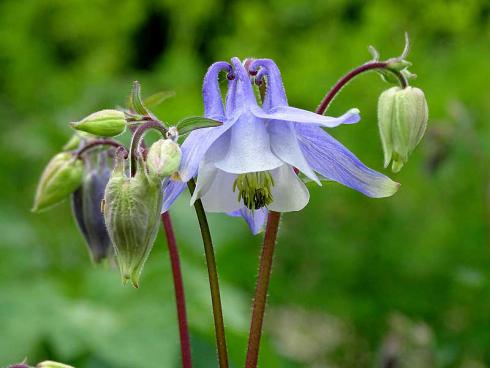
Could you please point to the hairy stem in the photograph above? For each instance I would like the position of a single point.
(97, 143)
(353, 73)
(219, 325)
(261, 290)
(137, 137)
(173, 251)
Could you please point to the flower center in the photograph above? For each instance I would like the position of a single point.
(255, 189)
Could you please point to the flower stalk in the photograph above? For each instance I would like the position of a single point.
(173, 251)
(342, 82)
(213, 279)
(261, 290)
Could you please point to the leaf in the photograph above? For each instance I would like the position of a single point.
(135, 101)
(157, 98)
(191, 123)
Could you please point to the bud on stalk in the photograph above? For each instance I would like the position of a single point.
(402, 121)
(104, 123)
(132, 212)
(51, 364)
(61, 177)
(163, 159)
(86, 207)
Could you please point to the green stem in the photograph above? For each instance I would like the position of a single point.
(213, 279)
(260, 300)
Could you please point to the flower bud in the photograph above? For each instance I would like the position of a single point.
(61, 177)
(51, 364)
(86, 206)
(104, 123)
(163, 158)
(402, 120)
(132, 212)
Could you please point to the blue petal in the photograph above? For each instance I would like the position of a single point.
(196, 145)
(172, 190)
(284, 144)
(249, 148)
(255, 220)
(244, 85)
(275, 94)
(211, 93)
(292, 114)
(332, 160)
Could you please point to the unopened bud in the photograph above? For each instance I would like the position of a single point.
(132, 212)
(86, 202)
(402, 120)
(163, 158)
(51, 364)
(104, 123)
(61, 177)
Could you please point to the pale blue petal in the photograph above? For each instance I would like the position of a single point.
(275, 94)
(196, 145)
(244, 85)
(255, 219)
(219, 196)
(172, 190)
(211, 93)
(284, 144)
(292, 114)
(249, 148)
(331, 159)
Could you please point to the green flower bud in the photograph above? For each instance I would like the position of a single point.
(132, 212)
(104, 123)
(51, 364)
(73, 143)
(86, 202)
(163, 158)
(402, 121)
(61, 177)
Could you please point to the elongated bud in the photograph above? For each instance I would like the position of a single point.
(402, 121)
(86, 206)
(132, 212)
(51, 364)
(104, 123)
(163, 159)
(61, 177)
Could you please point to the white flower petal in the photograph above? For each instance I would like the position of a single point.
(289, 193)
(220, 196)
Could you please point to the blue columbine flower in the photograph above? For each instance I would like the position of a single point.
(247, 165)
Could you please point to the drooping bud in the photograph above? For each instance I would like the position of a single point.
(131, 212)
(163, 159)
(86, 206)
(402, 121)
(255, 189)
(61, 177)
(104, 123)
(51, 364)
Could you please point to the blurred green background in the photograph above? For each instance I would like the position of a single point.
(398, 282)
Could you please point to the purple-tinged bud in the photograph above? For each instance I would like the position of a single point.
(104, 123)
(132, 212)
(402, 121)
(163, 159)
(86, 206)
(61, 177)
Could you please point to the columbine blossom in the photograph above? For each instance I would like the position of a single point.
(248, 164)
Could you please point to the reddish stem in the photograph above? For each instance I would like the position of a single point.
(179, 291)
(345, 79)
(263, 280)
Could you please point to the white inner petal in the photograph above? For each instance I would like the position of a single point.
(249, 149)
(289, 192)
(220, 196)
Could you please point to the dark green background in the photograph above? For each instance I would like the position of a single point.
(353, 278)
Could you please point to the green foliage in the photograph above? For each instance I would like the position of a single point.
(413, 268)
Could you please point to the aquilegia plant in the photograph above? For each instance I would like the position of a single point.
(249, 156)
